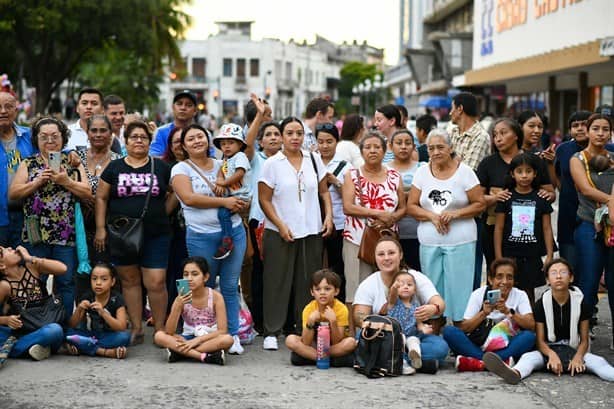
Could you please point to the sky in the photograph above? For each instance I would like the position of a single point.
(376, 21)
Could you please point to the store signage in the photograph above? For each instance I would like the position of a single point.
(607, 47)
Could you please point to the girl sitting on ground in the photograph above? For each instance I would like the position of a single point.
(99, 324)
(205, 329)
(562, 343)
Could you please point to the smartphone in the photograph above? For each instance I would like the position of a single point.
(183, 287)
(493, 296)
(55, 160)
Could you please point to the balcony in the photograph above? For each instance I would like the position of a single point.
(285, 84)
(241, 84)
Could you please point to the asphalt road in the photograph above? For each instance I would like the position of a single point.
(265, 379)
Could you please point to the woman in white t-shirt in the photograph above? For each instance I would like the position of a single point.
(193, 181)
(288, 190)
(372, 298)
(351, 133)
(511, 339)
(445, 197)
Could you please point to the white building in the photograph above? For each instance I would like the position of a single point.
(223, 69)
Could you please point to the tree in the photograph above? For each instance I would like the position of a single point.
(352, 74)
(52, 38)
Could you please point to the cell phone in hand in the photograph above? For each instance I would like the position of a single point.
(492, 296)
(55, 161)
(183, 287)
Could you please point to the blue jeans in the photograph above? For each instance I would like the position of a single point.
(107, 340)
(460, 343)
(229, 269)
(10, 235)
(433, 347)
(225, 218)
(568, 252)
(591, 257)
(63, 284)
(51, 335)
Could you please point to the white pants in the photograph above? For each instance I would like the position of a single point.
(355, 270)
(534, 360)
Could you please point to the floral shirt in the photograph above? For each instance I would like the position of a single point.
(92, 179)
(52, 204)
(380, 196)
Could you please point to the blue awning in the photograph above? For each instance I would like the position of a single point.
(436, 102)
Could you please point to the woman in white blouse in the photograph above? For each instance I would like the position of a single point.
(288, 190)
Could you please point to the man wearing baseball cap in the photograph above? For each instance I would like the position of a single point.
(184, 112)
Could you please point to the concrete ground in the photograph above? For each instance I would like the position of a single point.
(265, 379)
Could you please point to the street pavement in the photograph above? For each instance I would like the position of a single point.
(265, 379)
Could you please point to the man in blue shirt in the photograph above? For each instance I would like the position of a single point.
(184, 112)
(16, 146)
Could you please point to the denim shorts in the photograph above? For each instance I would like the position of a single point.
(154, 254)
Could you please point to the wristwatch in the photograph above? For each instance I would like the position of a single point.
(512, 311)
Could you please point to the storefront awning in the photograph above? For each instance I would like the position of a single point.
(551, 62)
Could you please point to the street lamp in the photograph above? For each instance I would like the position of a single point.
(377, 85)
(361, 89)
(368, 87)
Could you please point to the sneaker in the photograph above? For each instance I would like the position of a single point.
(407, 369)
(297, 360)
(173, 356)
(270, 343)
(468, 364)
(236, 348)
(496, 365)
(39, 352)
(415, 356)
(225, 249)
(218, 358)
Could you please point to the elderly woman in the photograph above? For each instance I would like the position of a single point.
(404, 162)
(507, 138)
(445, 196)
(372, 195)
(512, 312)
(193, 181)
(122, 191)
(288, 189)
(372, 298)
(50, 187)
(593, 188)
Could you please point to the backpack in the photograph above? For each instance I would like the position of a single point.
(380, 347)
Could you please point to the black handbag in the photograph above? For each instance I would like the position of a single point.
(480, 333)
(35, 315)
(380, 347)
(126, 234)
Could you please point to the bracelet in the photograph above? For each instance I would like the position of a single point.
(309, 326)
(438, 309)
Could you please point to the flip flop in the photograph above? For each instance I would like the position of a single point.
(71, 349)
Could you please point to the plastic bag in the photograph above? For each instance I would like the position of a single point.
(246, 323)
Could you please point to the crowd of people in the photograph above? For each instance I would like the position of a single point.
(318, 224)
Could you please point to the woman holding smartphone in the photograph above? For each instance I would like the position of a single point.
(49, 188)
(498, 319)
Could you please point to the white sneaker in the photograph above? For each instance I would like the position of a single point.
(407, 370)
(270, 343)
(414, 352)
(39, 352)
(236, 348)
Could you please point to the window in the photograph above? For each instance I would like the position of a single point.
(254, 67)
(227, 67)
(241, 67)
(289, 71)
(199, 67)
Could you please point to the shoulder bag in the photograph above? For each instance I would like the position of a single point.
(126, 233)
(35, 315)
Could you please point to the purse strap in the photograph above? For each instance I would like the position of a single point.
(200, 173)
(150, 188)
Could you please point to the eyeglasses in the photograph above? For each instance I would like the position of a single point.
(301, 185)
(49, 138)
(562, 273)
(138, 138)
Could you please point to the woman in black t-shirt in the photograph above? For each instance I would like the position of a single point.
(122, 191)
(507, 138)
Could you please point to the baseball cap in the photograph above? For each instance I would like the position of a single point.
(185, 94)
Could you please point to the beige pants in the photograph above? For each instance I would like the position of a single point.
(355, 270)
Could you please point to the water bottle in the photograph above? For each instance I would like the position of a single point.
(323, 346)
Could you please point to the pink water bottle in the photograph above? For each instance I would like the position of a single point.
(323, 346)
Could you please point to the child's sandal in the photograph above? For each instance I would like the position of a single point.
(117, 353)
(70, 349)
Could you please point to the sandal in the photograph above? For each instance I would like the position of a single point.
(117, 353)
(70, 349)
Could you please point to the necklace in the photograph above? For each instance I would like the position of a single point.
(98, 165)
